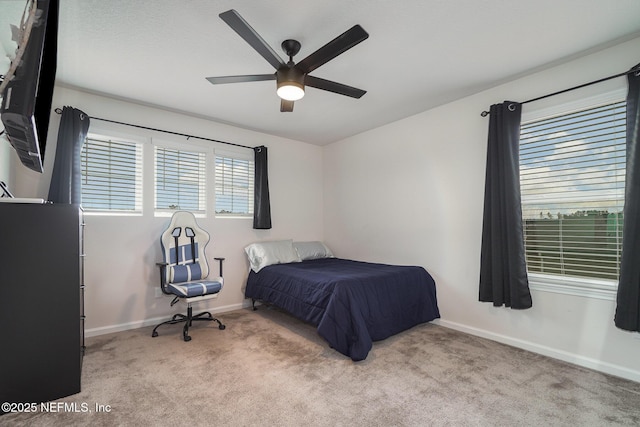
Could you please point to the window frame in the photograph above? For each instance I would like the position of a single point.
(203, 183)
(244, 155)
(106, 135)
(568, 285)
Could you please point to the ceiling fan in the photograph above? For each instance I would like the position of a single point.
(291, 77)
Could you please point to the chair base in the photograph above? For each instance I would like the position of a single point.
(188, 320)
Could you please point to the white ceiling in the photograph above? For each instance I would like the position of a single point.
(419, 54)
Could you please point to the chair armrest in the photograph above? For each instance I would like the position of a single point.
(220, 260)
(163, 284)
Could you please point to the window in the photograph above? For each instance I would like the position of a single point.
(234, 185)
(572, 173)
(179, 180)
(111, 175)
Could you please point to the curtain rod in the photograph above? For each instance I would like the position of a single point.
(59, 111)
(634, 70)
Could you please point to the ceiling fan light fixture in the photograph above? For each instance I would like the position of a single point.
(290, 83)
(290, 91)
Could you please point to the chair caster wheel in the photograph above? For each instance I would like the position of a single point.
(154, 334)
(221, 327)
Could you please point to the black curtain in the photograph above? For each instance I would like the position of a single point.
(503, 270)
(261, 203)
(66, 185)
(628, 302)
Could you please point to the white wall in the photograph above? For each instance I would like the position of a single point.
(408, 193)
(120, 271)
(411, 192)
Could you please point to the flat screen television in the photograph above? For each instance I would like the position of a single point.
(26, 100)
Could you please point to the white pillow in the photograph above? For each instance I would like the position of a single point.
(312, 250)
(262, 254)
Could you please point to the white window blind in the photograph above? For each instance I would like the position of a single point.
(111, 175)
(572, 173)
(180, 180)
(234, 185)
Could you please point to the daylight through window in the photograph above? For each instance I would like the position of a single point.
(572, 173)
(111, 175)
(234, 186)
(180, 180)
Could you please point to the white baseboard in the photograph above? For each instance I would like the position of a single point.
(576, 359)
(154, 321)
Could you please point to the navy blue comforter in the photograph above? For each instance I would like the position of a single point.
(352, 303)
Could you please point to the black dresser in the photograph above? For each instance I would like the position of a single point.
(41, 301)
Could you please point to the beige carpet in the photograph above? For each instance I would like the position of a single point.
(268, 369)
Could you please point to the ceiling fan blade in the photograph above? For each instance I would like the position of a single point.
(286, 106)
(244, 30)
(334, 87)
(241, 79)
(335, 47)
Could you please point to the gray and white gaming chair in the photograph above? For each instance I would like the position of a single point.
(184, 271)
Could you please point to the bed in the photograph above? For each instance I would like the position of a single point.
(352, 303)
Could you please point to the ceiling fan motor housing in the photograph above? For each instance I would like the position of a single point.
(286, 77)
(291, 75)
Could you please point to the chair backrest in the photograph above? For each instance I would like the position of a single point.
(183, 244)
